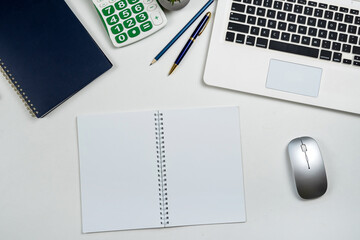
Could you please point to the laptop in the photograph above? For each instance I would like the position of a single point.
(296, 50)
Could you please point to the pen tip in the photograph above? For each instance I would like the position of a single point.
(152, 62)
(172, 69)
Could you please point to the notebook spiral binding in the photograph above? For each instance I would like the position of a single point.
(161, 169)
(17, 88)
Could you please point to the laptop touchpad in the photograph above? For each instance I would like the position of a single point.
(294, 78)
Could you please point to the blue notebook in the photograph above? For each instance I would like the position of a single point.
(46, 54)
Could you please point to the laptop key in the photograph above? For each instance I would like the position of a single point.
(356, 50)
(339, 17)
(336, 46)
(337, 57)
(315, 42)
(288, 7)
(349, 18)
(357, 20)
(343, 37)
(312, 3)
(282, 26)
(326, 55)
(321, 23)
(261, 22)
(251, 20)
(346, 61)
(318, 12)
(261, 12)
(230, 36)
(308, 11)
(356, 63)
(325, 44)
(301, 19)
(312, 32)
(305, 40)
(333, 35)
(291, 17)
(332, 25)
(357, 58)
(295, 38)
(254, 30)
(353, 39)
(342, 27)
(302, 29)
(329, 15)
(267, 3)
(238, 27)
(344, 10)
(237, 17)
(250, 40)
(238, 7)
(292, 27)
(295, 49)
(261, 42)
(346, 48)
(281, 15)
(250, 10)
(322, 33)
(354, 11)
(311, 21)
(285, 36)
(275, 34)
(270, 13)
(258, 2)
(265, 32)
(240, 38)
(352, 29)
(298, 9)
(278, 5)
(323, 5)
(271, 24)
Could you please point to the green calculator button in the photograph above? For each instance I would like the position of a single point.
(112, 20)
(108, 11)
(133, 1)
(117, 29)
(120, 5)
(125, 14)
(138, 8)
(134, 32)
(142, 17)
(121, 38)
(146, 26)
(129, 23)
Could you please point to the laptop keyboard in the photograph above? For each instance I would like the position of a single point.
(307, 28)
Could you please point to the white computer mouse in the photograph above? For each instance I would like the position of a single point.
(308, 167)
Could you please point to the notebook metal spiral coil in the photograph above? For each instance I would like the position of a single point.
(161, 168)
(17, 88)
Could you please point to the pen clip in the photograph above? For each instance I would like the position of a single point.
(202, 30)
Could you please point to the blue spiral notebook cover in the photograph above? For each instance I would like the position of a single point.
(46, 54)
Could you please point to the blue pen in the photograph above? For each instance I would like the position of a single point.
(198, 31)
(182, 31)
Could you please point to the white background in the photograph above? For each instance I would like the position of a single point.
(39, 167)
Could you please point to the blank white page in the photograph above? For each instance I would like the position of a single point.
(204, 167)
(119, 188)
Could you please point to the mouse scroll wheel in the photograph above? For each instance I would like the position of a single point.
(303, 147)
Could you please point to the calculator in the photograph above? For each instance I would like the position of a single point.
(128, 21)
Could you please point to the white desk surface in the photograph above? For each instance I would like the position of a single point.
(39, 167)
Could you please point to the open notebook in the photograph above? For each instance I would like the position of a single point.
(157, 169)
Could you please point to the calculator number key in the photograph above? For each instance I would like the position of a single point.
(121, 5)
(147, 26)
(121, 38)
(133, 1)
(117, 29)
(112, 20)
(134, 32)
(125, 14)
(137, 8)
(130, 23)
(142, 17)
(108, 11)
